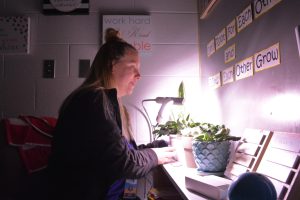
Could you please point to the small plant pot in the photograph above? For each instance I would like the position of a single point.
(188, 152)
(184, 152)
(211, 156)
(176, 142)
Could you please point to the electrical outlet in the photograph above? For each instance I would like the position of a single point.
(84, 68)
(49, 69)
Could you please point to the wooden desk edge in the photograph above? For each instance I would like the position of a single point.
(176, 174)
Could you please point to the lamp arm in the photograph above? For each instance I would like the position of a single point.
(163, 101)
(150, 126)
(161, 110)
(151, 129)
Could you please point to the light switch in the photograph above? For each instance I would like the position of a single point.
(84, 68)
(49, 69)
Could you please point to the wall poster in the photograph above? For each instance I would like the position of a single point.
(261, 7)
(214, 81)
(231, 30)
(135, 29)
(220, 39)
(211, 49)
(229, 54)
(14, 35)
(267, 58)
(244, 68)
(227, 75)
(244, 19)
(66, 7)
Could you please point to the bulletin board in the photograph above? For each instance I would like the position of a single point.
(248, 58)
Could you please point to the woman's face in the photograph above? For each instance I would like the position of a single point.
(126, 73)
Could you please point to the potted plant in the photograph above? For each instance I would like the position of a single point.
(181, 132)
(211, 147)
(179, 126)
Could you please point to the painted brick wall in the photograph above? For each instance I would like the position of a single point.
(67, 39)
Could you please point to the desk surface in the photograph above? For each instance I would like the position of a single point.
(176, 174)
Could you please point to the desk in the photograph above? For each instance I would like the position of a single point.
(176, 174)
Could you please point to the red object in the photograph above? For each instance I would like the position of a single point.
(32, 135)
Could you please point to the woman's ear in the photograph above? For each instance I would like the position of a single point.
(113, 65)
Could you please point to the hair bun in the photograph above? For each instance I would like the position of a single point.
(112, 34)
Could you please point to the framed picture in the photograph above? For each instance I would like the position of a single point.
(66, 7)
(14, 35)
(135, 29)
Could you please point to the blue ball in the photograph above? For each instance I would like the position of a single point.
(252, 186)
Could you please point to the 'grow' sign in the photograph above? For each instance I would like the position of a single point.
(267, 58)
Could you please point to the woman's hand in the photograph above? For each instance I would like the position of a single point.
(165, 154)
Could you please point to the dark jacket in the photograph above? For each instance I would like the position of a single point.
(89, 152)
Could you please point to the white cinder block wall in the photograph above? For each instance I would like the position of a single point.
(67, 39)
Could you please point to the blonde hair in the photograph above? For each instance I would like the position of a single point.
(126, 122)
(112, 34)
(100, 75)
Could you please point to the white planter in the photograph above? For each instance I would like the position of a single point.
(188, 151)
(184, 151)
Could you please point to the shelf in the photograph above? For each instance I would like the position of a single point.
(176, 174)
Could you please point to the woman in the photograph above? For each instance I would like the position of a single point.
(93, 152)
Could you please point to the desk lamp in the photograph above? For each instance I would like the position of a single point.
(164, 101)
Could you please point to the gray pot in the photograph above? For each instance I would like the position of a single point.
(211, 156)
